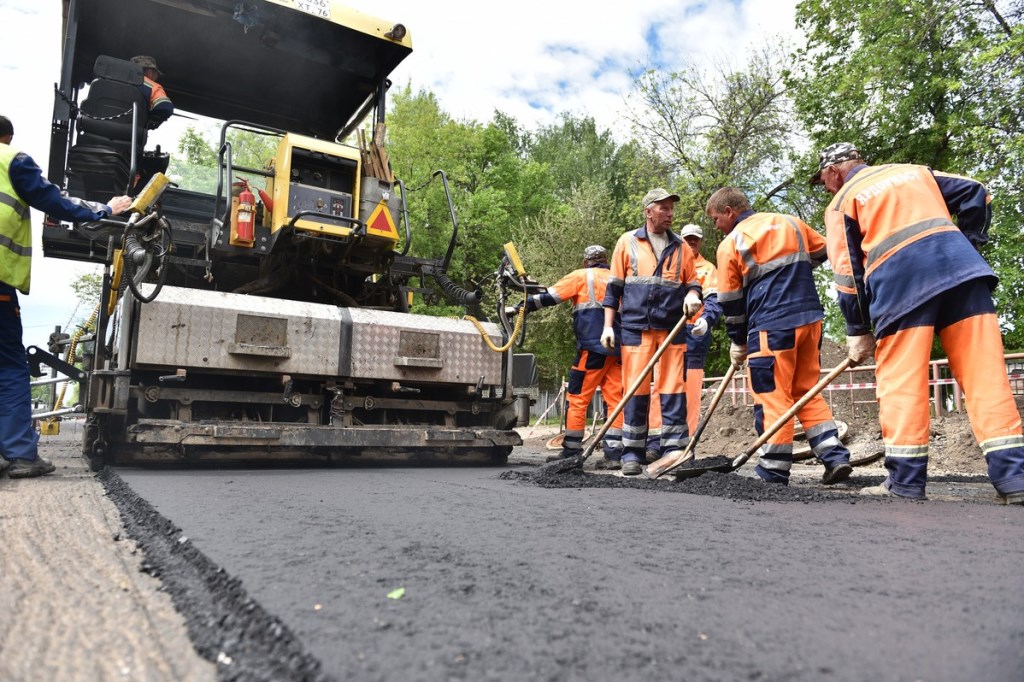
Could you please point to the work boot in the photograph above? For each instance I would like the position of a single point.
(632, 468)
(652, 455)
(555, 458)
(1012, 498)
(836, 474)
(881, 490)
(30, 468)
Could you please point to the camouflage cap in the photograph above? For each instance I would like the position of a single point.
(833, 154)
(146, 62)
(691, 230)
(658, 194)
(595, 254)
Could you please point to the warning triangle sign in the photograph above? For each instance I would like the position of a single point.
(381, 224)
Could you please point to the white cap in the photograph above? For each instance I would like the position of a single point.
(691, 230)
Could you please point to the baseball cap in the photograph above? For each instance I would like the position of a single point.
(146, 62)
(833, 154)
(658, 194)
(691, 230)
(595, 254)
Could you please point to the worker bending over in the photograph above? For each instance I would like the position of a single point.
(903, 267)
(773, 318)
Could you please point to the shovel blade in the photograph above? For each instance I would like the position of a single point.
(561, 466)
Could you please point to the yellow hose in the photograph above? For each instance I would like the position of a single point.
(515, 332)
(70, 355)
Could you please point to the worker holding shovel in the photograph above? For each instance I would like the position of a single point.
(773, 318)
(653, 285)
(905, 270)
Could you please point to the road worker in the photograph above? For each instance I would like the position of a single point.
(160, 106)
(905, 269)
(595, 365)
(773, 318)
(653, 285)
(22, 185)
(698, 343)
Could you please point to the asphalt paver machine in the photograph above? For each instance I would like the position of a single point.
(269, 323)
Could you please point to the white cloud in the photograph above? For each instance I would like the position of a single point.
(532, 60)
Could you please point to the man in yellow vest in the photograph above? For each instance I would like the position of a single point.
(22, 185)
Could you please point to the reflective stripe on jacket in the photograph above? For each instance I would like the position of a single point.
(893, 244)
(585, 288)
(15, 229)
(160, 105)
(764, 274)
(649, 291)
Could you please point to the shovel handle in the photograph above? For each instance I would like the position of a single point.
(680, 326)
(791, 412)
(656, 469)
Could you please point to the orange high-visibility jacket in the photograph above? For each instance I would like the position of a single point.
(893, 244)
(585, 288)
(651, 290)
(764, 274)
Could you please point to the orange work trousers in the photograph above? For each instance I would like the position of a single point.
(590, 371)
(668, 383)
(965, 320)
(782, 366)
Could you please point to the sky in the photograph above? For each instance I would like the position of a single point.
(532, 59)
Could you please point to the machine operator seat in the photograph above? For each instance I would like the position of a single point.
(100, 162)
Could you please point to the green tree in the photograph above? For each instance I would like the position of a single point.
(493, 188)
(717, 127)
(936, 82)
(195, 166)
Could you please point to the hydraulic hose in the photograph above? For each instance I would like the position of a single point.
(520, 320)
(69, 357)
(457, 293)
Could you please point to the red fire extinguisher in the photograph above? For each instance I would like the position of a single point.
(246, 214)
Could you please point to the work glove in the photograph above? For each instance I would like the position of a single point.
(738, 354)
(608, 338)
(860, 348)
(691, 304)
(700, 327)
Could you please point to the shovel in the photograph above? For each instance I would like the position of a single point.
(741, 459)
(666, 464)
(576, 461)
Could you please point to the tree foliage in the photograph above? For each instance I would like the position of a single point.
(935, 82)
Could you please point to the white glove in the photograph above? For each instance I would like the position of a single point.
(738, 354)
(608, 338)
(700, 327)
(691, 304)
(860, 348)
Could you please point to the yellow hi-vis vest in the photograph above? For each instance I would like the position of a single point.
(15, 229)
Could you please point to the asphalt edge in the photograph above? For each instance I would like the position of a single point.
(226, 625)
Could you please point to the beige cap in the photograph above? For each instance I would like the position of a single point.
(658, 194)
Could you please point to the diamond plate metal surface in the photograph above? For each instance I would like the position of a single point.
(376, 343)
(197, 329)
